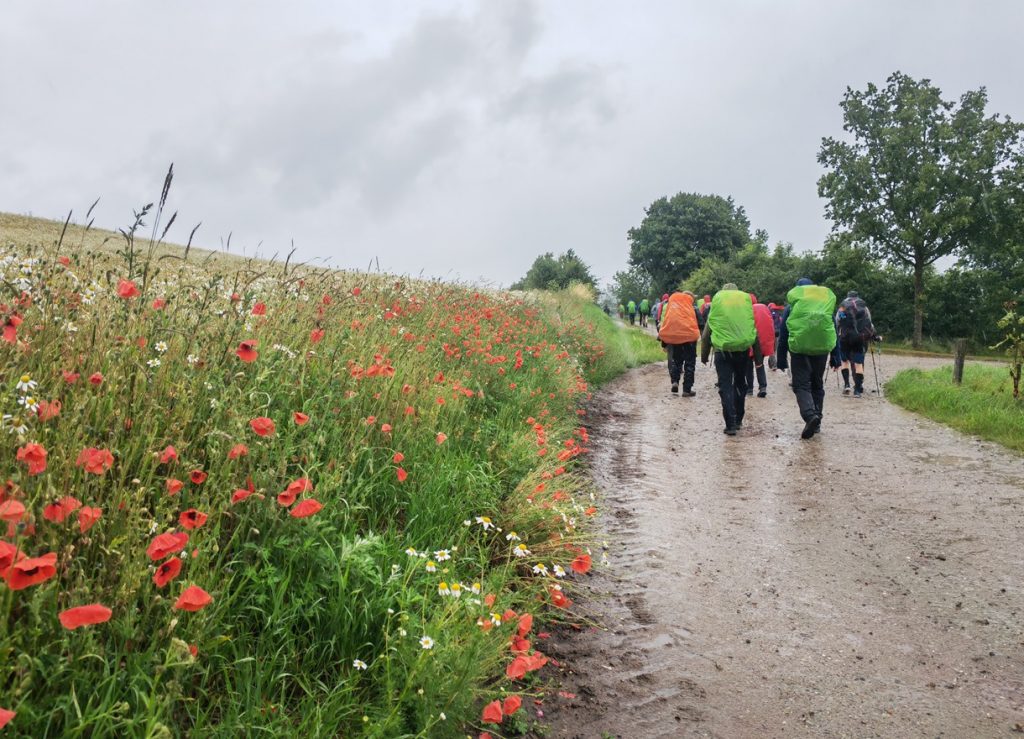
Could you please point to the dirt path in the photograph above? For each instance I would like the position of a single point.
(866, 583)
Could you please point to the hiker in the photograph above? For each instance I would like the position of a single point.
(622, 311)
(703, 307)
(806, 341)
(854, 330)
(657, 310)
(678, 334)
(645, 310)
(766, 338)
(776, 311)
(731, 330)
(631, 310)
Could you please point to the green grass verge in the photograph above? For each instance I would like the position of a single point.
(983, 405)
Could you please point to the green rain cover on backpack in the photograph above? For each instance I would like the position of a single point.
(732, 321)
(811, 327)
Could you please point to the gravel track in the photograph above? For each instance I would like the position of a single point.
(866, 583)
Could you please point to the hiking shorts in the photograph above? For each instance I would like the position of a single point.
(852, 350)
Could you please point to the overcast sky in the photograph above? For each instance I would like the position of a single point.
(460, 139)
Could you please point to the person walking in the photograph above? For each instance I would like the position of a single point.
(622, 311)
(678, 333)
(731, 330)
(645, 311)
(657, 310)
(854, 330)
(631, 310)
(766, 338)
(806, 340)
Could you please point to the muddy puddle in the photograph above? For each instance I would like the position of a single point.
(866, 583)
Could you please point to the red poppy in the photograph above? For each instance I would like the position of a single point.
(9, 554)
(59, 511)
(193, 598)
(167, 571)
(441, 437)
(301, 419)
(198, 477)
(397, 458)
(87, 517)
(238, 450)
(293, 490)
(316, 335)
(385, 428)
(11, 324)
(159, 303)
(511, 704)
(70, 377)
(246, 351)
(88, 615)
(173, 486)
(193, 650)
(127, 290)
(492, 713)
(6, 717)
(356, 291)
(171, 542)
(306, 508)
(34, 455)
(517, 668)
(192, 519)
(95, 461)
(559, 599)
(401, 474)
(96, 378)
(170, 454)
(48, 410)
(260, 309)
(242, 493)
(26, 572)
(11, 511)
(263, 426)
(581, 564)
(525, 624)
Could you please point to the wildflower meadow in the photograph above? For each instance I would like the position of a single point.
(248, 498)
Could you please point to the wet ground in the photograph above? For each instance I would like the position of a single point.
(866, 583)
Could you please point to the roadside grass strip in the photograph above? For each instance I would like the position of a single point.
(983, 405)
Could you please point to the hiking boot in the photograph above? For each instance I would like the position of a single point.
(750, 393)
(689, 393)
(811, 428)
(730, 430)
(846, 390)
(762, 393)
(675, 387)
(858, 393)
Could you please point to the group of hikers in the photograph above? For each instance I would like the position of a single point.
(632, 310)
(807, 334)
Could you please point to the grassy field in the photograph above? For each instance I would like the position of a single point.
(983, 405)
(248, 499)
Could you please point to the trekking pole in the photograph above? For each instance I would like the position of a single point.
(878, 387)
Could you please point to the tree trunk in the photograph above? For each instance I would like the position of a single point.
(918, 301)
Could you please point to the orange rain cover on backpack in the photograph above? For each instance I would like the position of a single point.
(678, 321)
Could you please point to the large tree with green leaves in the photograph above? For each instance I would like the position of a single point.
(678, 232)
(549, 272)
(914, 174)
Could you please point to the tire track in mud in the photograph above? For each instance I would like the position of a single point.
(869, 582)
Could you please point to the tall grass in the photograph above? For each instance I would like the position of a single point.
(435, 424)
(983, 405)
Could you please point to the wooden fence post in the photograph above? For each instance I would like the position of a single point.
(959, 353)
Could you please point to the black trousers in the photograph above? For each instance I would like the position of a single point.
(808, 372)
(732, 384)
(762, 378)
(682, 360)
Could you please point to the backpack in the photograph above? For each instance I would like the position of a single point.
(731, 318)
(854, 321)
(812, 329)
(678, 324)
